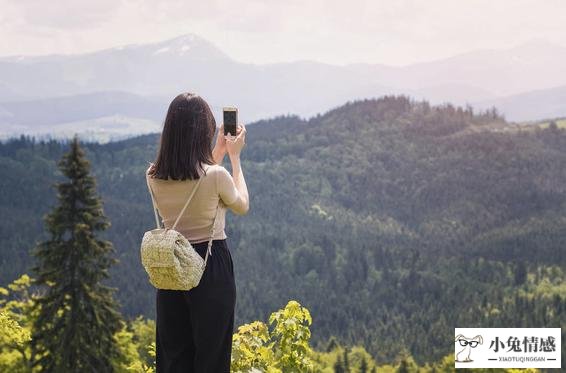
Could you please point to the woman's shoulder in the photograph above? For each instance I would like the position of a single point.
(151, 178)
(148, 170)
(211, 170)
(215, 169)
(220, 175)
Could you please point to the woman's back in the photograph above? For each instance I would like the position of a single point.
(194, 328)
(217, 187)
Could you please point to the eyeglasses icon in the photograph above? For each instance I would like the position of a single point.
(464, 343)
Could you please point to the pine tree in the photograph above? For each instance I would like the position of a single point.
(403, 367)
(520, 273)
(346, 361)
(77, 315)
(338, 365)
(364, 365)
(332, 344)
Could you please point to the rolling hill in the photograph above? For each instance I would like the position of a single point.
(519, 80)
(392, 220)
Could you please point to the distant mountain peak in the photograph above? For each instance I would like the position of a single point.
(188, 37)
(187, 44)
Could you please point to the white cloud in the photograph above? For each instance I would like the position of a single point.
(29, 15)
(392, 32)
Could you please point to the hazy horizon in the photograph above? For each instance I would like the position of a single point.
(534, 40)
(395, 34)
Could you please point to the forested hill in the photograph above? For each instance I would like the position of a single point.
(391, 220)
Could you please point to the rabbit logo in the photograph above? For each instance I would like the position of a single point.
(467, 343)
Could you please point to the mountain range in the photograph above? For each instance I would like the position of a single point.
(392, 221)
(124, 91)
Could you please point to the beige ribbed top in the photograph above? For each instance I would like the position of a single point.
(216, 187)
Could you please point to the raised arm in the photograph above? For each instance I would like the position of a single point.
(239, 200)
(233, 190)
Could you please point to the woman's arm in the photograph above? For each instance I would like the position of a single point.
(234, 146)
(218, 154)
(219, 150)
(238, 176)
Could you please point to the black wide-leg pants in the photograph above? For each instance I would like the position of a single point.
(194, 328)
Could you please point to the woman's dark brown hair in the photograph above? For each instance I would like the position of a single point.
(186, 140)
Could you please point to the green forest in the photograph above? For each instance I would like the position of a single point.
(390, 220)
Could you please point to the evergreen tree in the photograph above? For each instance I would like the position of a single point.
(403, 367)
(338, 365)
(332, 344)
(520, 273)
(77, 315)
(346, 361)
(364, 365)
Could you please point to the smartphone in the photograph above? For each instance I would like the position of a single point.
(230, 120)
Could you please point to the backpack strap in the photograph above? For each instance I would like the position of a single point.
(182, 210)
(153, 202)
(209, 248)
(187, 203)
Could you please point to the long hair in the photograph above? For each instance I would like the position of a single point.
(186, 140)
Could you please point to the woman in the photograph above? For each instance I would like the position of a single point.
(194, 328)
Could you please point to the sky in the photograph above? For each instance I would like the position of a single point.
(393, 32)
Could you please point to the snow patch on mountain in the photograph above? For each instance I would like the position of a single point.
(161, 50)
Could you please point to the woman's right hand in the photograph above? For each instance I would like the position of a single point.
(235, 144)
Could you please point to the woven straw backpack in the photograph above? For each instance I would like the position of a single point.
(168, 257)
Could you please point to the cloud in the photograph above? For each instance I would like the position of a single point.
(58, 14)
(393, 32)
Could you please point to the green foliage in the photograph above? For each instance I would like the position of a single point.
(144, 337)
(77, 315)
(284, 348)
(252, 348)
(16, 307)
(291, 333)
(256, 348)
(407, 365)
(340, 359)
(136, 344)
(394, 211)
(12, 342)
(11, 333)
(128, 352)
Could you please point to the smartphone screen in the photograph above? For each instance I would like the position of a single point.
(230, 120)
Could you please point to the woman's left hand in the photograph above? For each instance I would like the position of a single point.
(220, 149)
(220, 141)
(221, 138)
